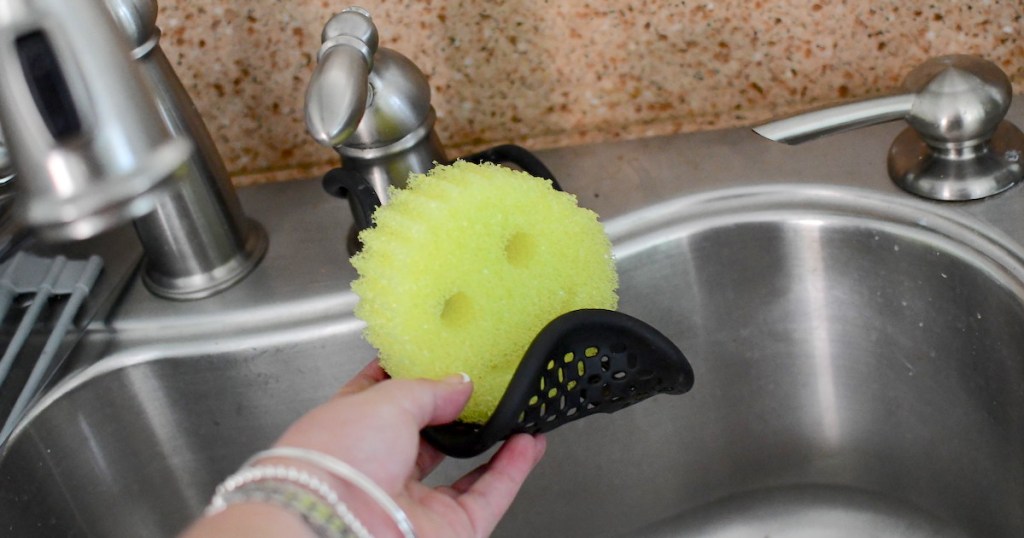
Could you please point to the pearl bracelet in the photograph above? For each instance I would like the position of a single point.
(294, 490)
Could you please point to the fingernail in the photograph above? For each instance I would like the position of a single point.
(461, 377)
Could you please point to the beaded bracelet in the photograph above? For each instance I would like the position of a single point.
(294, 490)
(347, 473)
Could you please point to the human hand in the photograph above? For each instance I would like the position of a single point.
(374, 424)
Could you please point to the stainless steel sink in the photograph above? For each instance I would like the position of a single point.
(857, 358)
(858, 353)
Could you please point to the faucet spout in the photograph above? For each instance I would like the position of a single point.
(815, 124)
(82, 131)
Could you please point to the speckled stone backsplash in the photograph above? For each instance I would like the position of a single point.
(553, 73)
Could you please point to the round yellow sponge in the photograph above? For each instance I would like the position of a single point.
(467, 264)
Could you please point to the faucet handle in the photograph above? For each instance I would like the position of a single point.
(958, 146)
(371, 105)
(363, 97)
(338, 92)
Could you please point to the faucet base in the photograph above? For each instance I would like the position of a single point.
(204, 284)
(958, 174)
(392, 164)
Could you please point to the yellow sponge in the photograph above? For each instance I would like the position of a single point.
(467, 264)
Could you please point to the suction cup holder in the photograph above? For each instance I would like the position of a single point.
(582, 363)
(363, 200)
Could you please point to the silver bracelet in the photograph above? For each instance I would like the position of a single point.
(347, 473)
(314, 501)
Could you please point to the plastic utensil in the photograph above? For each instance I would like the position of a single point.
(584, 362)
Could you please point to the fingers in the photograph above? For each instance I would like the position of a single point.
(370, 375)
(488, 491)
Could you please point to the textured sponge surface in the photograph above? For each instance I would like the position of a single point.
(467, 264)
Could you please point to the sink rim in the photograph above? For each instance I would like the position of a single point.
(979, 242)
(184, 350)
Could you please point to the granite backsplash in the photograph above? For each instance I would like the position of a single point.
(553, 73)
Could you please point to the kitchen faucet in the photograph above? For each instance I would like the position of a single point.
(101, 132)
(372, 105)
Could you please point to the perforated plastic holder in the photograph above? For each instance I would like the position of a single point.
(584, 362)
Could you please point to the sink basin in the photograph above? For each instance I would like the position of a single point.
(859, 373)
(858, 357)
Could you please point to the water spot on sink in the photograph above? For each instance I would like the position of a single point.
(910, 367)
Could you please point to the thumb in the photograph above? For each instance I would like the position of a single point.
(426, 402)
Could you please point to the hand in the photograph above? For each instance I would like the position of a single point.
(374, 424)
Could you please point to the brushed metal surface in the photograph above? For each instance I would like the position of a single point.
(857, 350)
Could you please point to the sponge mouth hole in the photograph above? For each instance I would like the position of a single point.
(458, 310)
(520, 249)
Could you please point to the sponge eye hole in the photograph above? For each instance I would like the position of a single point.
(520, 249)
(457, 310)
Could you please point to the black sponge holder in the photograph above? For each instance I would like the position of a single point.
(583, 362)
(363, 200)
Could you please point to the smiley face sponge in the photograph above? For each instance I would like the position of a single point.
(467, 264)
